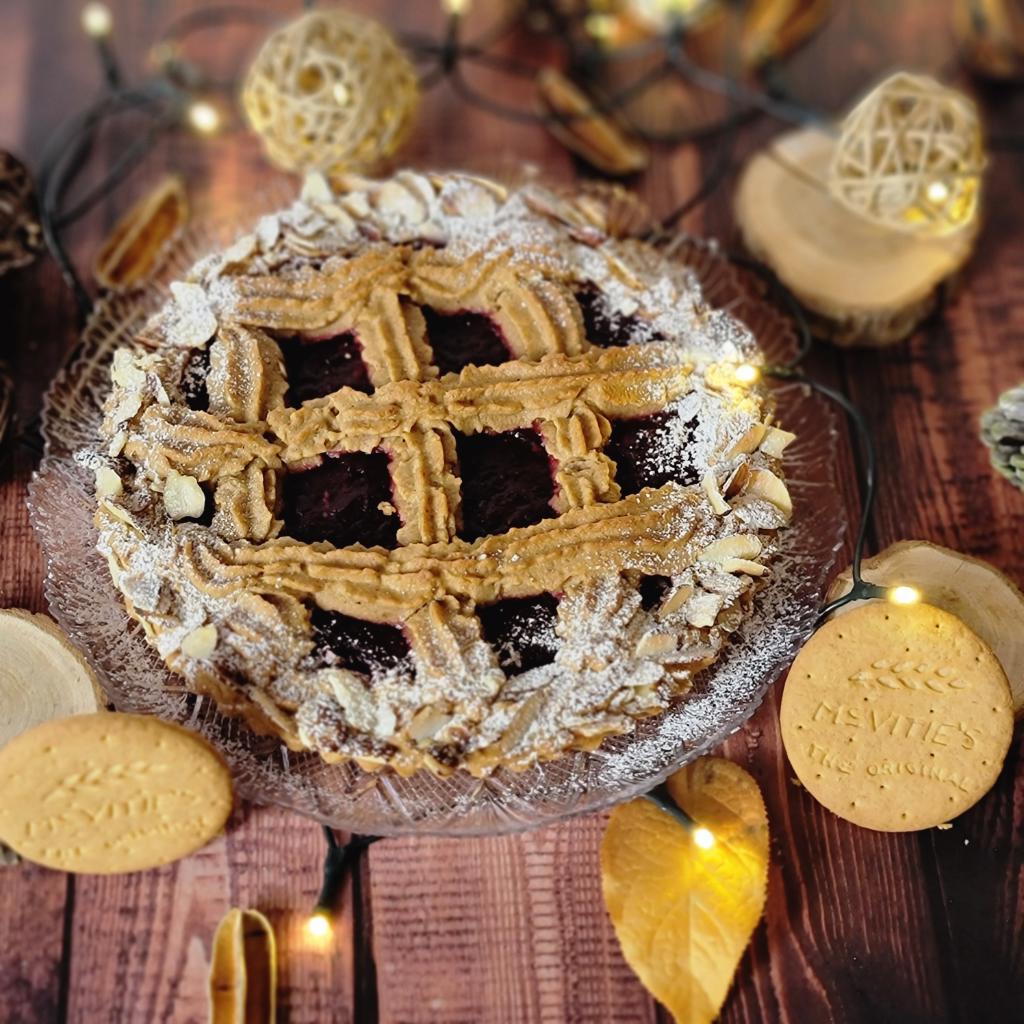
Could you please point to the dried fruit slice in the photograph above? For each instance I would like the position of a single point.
(243, 970)
(684, 910)
(41, 675)
(134, 247)
(975, 592)
(589, 134)
(772, 28)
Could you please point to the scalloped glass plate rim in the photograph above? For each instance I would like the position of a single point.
(382, 803)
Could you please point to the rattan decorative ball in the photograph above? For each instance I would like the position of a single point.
(910, 157)
(331, 92)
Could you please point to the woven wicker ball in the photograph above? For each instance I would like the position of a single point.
(910, 157)
(332, 92)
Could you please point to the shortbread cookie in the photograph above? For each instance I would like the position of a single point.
(896, 718)
(109, 792)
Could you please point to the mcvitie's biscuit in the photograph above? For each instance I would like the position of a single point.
(896, 717)
(106, 793)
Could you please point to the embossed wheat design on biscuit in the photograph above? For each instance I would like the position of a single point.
(909, 675)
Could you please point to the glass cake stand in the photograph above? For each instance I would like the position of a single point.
(84, 601)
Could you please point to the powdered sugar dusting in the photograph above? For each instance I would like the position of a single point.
(614, 660)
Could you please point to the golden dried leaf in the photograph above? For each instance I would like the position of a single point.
(684, 914)
(243, 970)
(133, 249)
(772, 28)
(587, 133)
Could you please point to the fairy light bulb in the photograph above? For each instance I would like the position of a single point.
(704, 838)
(456, 8)
(937, 192)
(203, 117)
(904, 595)
(97, 21)
(746, 373)
(318, 925)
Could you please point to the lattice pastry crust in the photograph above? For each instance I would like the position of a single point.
(630, 577)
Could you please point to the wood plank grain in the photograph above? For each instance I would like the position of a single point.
(859, 927)
(140, 944)
(486, 931)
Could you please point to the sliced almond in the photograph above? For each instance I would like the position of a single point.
(748, 442)
(710, 486)
(655, 645)
(316, 189)
(183, 497)
(108, 483)
(674, 601)
(776, 441)
(739, 545)
(201, 642)
(702, 609)
(745, 565)
(737, 480)
(126, 372)
(765, 484)
(427, 723)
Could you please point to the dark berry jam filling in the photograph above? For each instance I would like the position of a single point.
(649, 451)
(346, 642)
(653, 590)
(193, 380)
(521, 630)
(463, 339)
(606, 329)
(339, 501)
(320, 367)
(506, 481)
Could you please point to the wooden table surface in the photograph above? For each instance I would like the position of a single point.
(859, 927)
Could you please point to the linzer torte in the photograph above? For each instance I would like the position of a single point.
(433, 473)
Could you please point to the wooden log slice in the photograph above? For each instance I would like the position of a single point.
(862, 284)
(977, 593)
(42, 676)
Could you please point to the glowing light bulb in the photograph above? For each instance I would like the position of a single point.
(203, 117)
(746, 373)
(704, 838)
(904, 595)
(937, 192)
(456, 8)
(601, 26)
(97, 21)
(318, 926)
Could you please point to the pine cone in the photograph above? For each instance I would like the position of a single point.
(1002, 429)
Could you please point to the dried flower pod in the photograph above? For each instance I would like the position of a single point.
(243, 970)
(991, 36)
(772, 28)
(578, 125)
(1002, 429)
(136, 245)
(21, 237)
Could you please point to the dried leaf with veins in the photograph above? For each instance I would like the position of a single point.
(684, 914)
